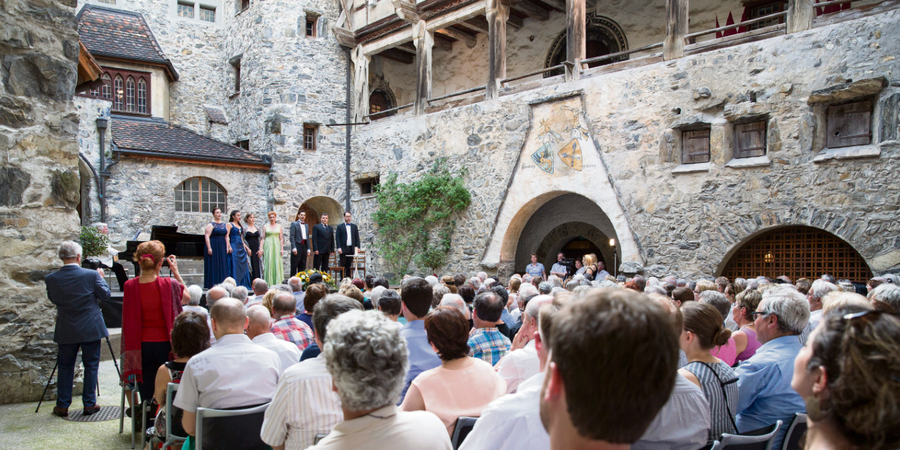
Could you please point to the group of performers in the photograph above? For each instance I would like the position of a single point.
(234, 250)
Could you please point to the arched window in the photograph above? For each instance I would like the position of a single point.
(129, 95)
(119, 94)
(142, 96)
(381, 99)
(106, 90)
(199, 194)
(603, 37)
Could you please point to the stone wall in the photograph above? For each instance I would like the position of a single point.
(38, 182)
(684, 222)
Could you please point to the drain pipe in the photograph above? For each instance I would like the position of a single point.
(347, 138)
(102, 123)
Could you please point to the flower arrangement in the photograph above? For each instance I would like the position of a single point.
(304, 277)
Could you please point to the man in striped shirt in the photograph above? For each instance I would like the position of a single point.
(486, 342)
(287, 327)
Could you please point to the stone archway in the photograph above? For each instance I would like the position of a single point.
(558, 238)
(603, 36)
(314, 208)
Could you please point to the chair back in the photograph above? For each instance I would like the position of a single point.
(464, 426)
(171, 389)
(755, 440)
(230, 429)
(795, 431)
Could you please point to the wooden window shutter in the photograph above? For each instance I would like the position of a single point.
(750, 139)
(695, 146)
(849, 124)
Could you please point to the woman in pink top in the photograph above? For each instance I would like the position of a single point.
(727, 353)
(745, 339)
(462, 385)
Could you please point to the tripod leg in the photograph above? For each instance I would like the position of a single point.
(47, 386)
(113, 354)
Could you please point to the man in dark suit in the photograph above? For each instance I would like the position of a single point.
(77, 294)
(323, 244)
(299, 243)
(347, 241)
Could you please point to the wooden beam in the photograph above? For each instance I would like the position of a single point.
(406, 10)
(558, 5)
(458, 34)
(676, 28)
(424, 41)
(530, 9)
(799, 15)
(407, 47)
(396, 55)
(514, 22)
(344, 37)
(497, 14)
(360, 83)
(442, 43)
(477, 23)
(575, 36)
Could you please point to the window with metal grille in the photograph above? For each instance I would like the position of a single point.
(142, 96)
(765, 10)
(309, 137)
(186, 10)
(199, 194)
(849, 124)
(207, 14)
(129, 95)
(311, 25)
(694, 146)
(368, 186)
(119, 94)
(750, 139)
(798, 252)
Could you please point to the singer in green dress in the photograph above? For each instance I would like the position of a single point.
(273, 266)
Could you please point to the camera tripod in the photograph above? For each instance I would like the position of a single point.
(47, 387)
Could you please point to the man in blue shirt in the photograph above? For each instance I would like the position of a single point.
(764, 380)
(415, 300)
(559, 269)
(535, 269)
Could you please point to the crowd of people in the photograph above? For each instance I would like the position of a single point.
(576, 360)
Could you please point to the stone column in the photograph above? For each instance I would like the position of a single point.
(575, 37)
(497, 15)
(799, 15)
(424, 42)
(676, 28)
(360, 83)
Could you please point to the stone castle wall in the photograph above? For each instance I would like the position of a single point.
(39, 186)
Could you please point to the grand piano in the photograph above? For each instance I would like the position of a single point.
(182, 245)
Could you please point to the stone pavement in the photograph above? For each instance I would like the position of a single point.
(22, 429)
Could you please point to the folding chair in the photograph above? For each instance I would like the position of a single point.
(134, 411)
(755, 440)
(464, 426)
(795, 432)
(171, 439)
(232, 429)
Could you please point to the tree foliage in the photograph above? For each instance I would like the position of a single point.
(416, 220)
(93, 242)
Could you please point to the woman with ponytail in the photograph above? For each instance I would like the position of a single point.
(149, 308)
(704, 329)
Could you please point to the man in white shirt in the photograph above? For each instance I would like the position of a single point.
(259, 331)
(260, 287)
(305, 404)
(521, 363)
(232, 374)
(682, 423)
(601, 271)
(559, 269)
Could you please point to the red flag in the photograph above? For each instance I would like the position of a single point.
(832, 8)
(718, 33)
(730, 21)
(745, 16)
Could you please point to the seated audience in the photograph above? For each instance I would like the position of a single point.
(887, 293)
(847, 375)
(415, 300)
(259, 330)
(240, 293)
(296, 289)
(260, 287)
(764, 380)
(447, 280)
(314, 293)
(681, 295)
(213, 295)
(728, 351)
(353, 292)
(485, 340)
(269, 299)
(438, 290)
(461, 385)
(367, 359)
(607, 349)
(521, 363)
(388, 302)
(305, 404)
(702, 330)
(233, 373)
(745, 340)
(840, 299)
(287, 327)
(467, 293)
(455, 301)
(817, 291)
(196, 293)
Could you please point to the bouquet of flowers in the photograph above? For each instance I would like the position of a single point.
(304, 277)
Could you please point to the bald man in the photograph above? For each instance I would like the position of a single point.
(234, 373)
(260, 333)
(213, 295)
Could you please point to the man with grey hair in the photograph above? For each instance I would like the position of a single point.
(432, 280)
(764, 380)
(718, 301)
(287, 327)
(297, 291)
(545, 287)
(305, 404)
(482, 276)
(260, 287)
(438, 290)
(195, 292)
(521, 363)
(260, 333)
(77, 294)
(475, 282)
(240, 293)
(367, 359)
(456, 301)
(888, 293)
(817, 291)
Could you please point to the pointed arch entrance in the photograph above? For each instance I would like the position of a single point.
(314, 208)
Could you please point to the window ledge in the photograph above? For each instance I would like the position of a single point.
(858, 151)
(692, 168)
(756, 161)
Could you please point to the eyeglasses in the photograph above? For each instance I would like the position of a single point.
(759, 313)
(860, 314)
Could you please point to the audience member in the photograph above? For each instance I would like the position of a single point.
(390, 305)
(305, 404)
(287, 327)
(367, 360)
(455, 301)
(296, 289)
(196, 293)
(240, 293)
(260, 287)
(269, 299)
(314, 293)
(259, 330)
(681, 295)
(232, 374)
(353, 292)
(607, 349)
(847, 375)
(416, 296)
(887, 293)
(764, 380)
(803, 285)
(728, 351)
(485, 340)
(521, 363)
(745, 341)
(840, 299)
(461, 385)
(817, 291)
(704, 329)
(438, 291)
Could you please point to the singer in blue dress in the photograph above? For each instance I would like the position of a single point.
(215, 261)
(239, 263)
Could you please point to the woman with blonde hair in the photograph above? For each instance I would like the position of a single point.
(273, 246)
(269, 300)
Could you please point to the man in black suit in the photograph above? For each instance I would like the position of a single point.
(323, 244)
(348, 242)
(299, 243)
(77, 294)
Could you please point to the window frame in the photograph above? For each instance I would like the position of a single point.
(310, 144)
(754, 7)
(371, 182)
(189, 4)
(311, 26)
(829, 116)
(742, 153)
(236, 69)
(107, 90)
(685, 137)
(203, 206)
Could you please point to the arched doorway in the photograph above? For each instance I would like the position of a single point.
(798, 252)
(314, 208)
(603, 36)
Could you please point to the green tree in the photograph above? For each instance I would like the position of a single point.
(416, 220)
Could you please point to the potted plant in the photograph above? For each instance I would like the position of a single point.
(93, 244)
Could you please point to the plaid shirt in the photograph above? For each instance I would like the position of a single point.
(292, 329)
(488, 344)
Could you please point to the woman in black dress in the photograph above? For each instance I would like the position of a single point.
(251, 237)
